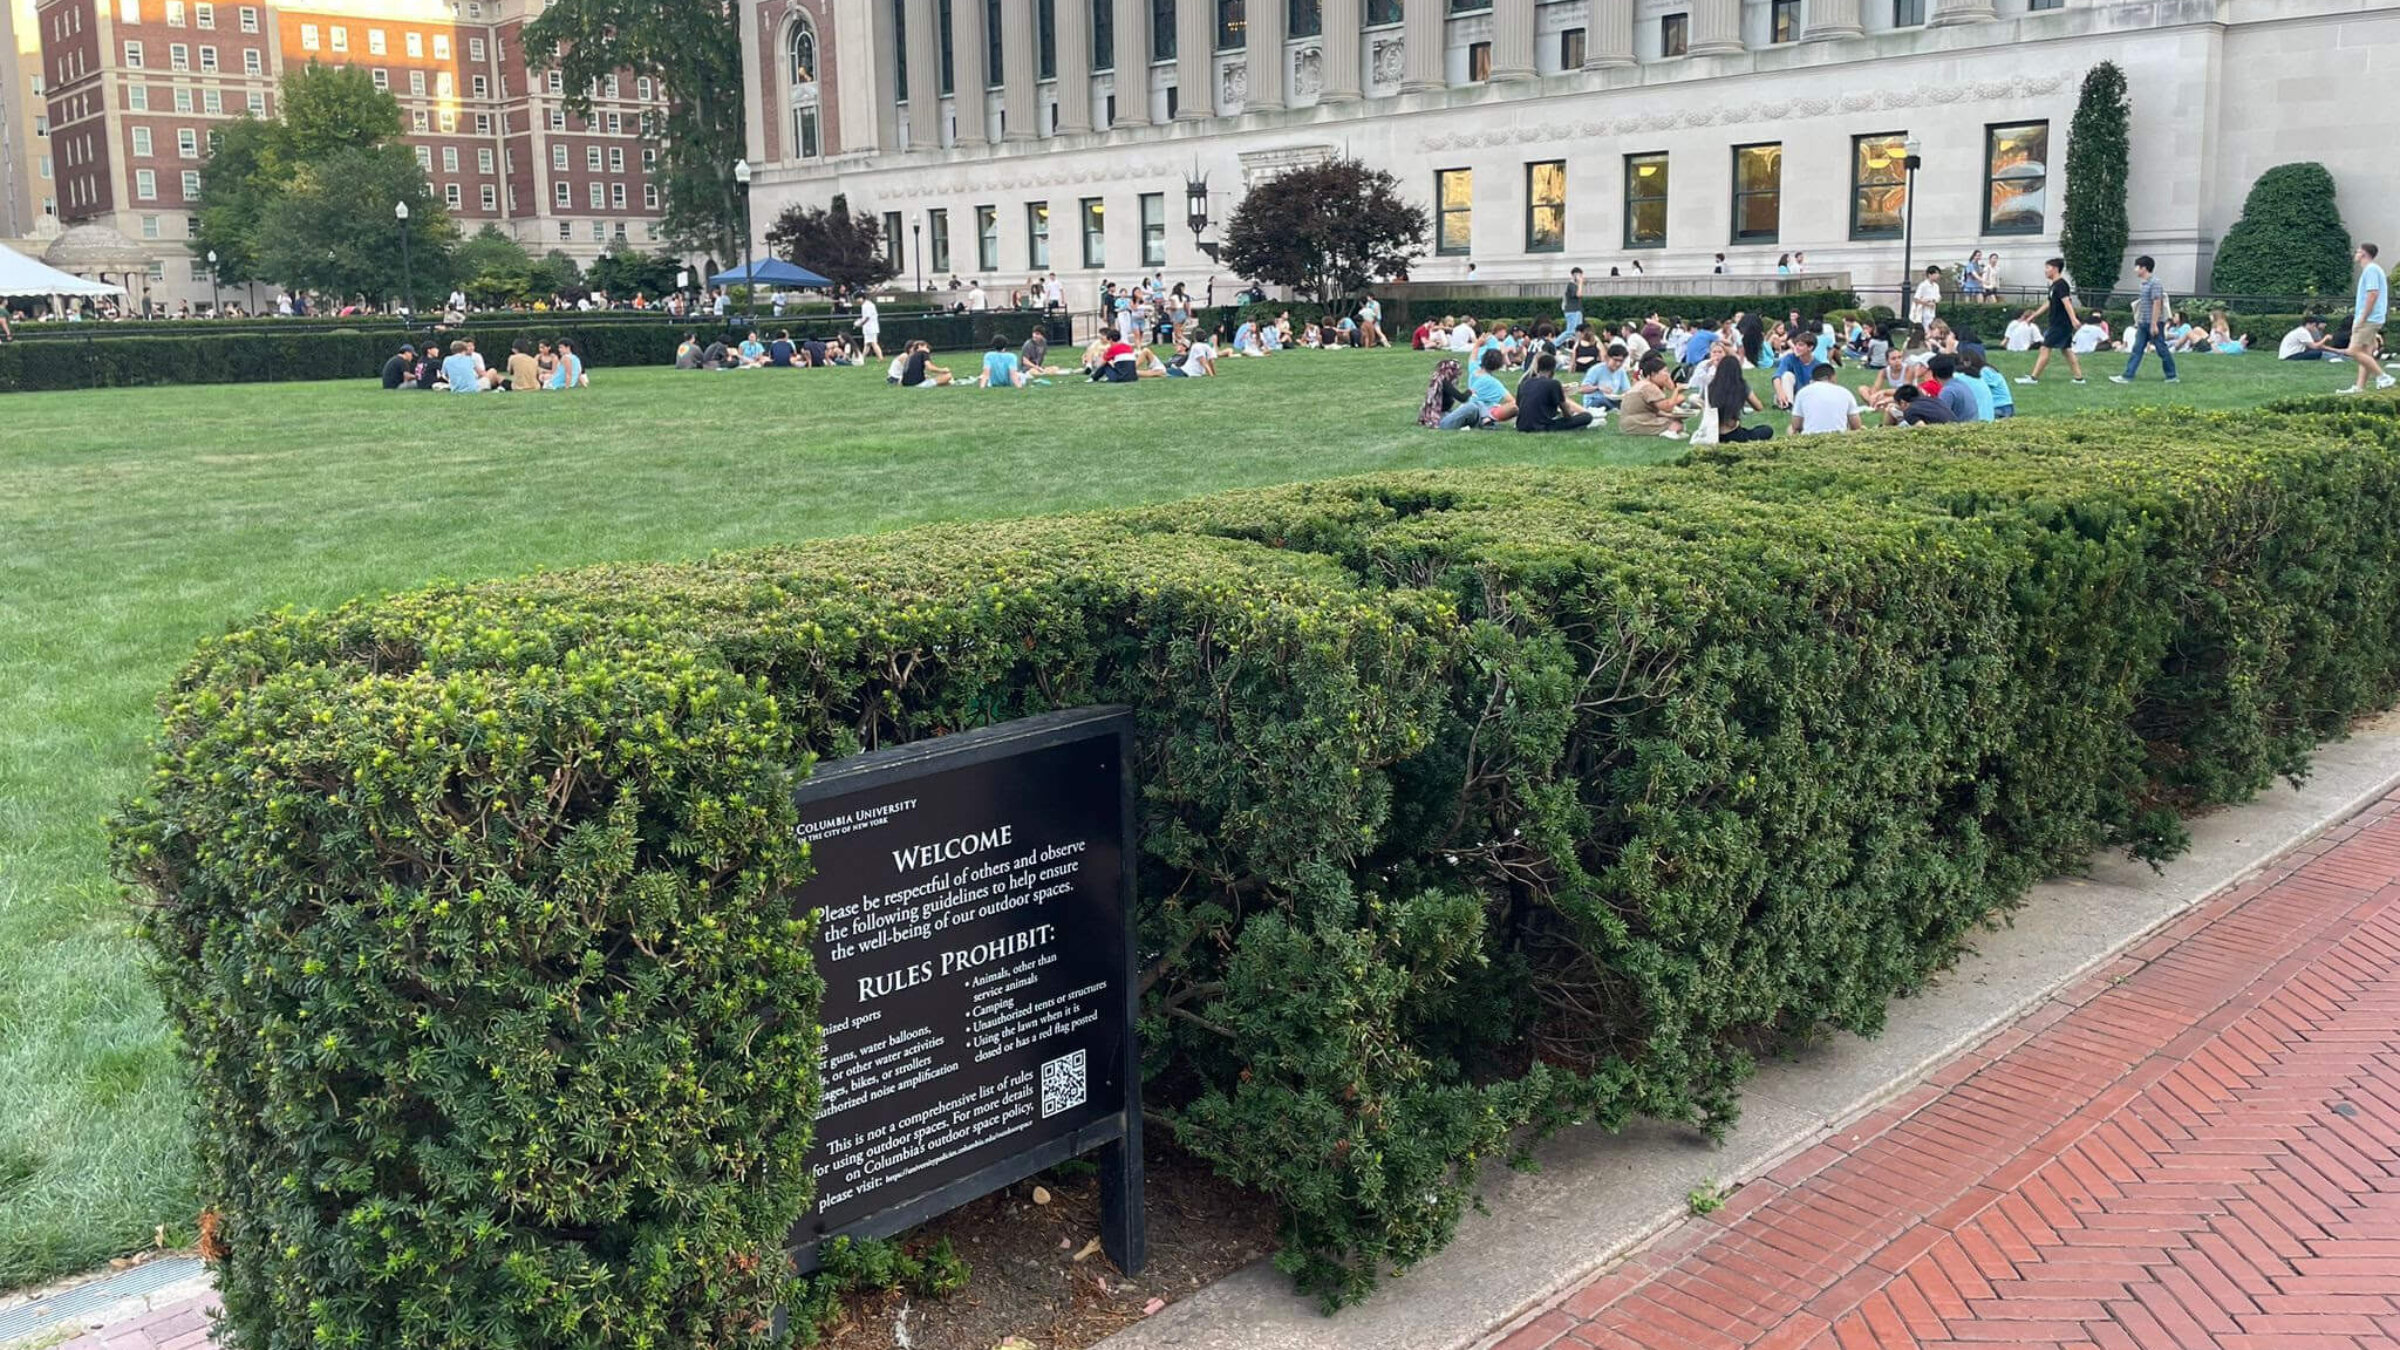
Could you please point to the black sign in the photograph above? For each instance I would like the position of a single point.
(973, 897)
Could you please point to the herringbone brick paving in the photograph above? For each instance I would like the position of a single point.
(2197, 1147)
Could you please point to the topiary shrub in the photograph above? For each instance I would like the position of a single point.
(2290, 240)
(2094, 228)
(1472, 804)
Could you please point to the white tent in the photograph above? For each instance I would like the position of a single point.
(20, 275)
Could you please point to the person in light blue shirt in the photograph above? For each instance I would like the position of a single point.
(2004, 403)
(1697, 347)
(1792, 372)
(463, 370)
(1488, 400)
(2373, 302)
(568, 373)
(1971, 375)
(1607, 382)
(1000, 368)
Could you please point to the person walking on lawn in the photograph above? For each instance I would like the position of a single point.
(2366, 320)
(2059, 334)
(2149, 324)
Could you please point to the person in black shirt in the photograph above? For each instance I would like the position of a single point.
(401, 368)
(919, 372)
(713, 357)
(2059, 335)
(1542, 402)
(812, 350)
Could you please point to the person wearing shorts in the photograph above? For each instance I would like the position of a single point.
(2059, 335)
(870, 330)
(2366, 320)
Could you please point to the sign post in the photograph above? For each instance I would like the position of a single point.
(974, 901)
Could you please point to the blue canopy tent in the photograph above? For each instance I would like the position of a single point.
(771, 272)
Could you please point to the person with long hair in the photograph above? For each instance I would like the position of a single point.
(1443, 394)
(1729, 397)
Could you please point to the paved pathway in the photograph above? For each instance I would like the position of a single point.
(2197, 1147)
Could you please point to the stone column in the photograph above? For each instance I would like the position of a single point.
(1608, 39)
(1828, 20)
(924, 75)
(1963, 11)
(1195, 60)
(1512, 40)
(1020, 112)
(1132, 29)
(967, 77)
(1074, 39)
(1339, 57)
(1716, 28)
(1262, 52)
(1422, 39)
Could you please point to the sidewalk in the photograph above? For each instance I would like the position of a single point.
(2197, 1146)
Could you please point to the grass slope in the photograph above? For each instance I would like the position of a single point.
(134, 522)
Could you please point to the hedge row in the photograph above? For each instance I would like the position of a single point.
(1473, 804)
(107, 362)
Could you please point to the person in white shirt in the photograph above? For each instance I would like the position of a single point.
(975, 297)
(2088, 338)
(1824, 407)
(1928, 295)
(1198, 360)
(2022, 336)
(2305, 343)
(1462, 338)
(870, 329)
(1053, 297)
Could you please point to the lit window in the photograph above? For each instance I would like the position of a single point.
(1546, 206)
(414, 43)
(1454, 211)
(174, 13)
(443, 87)
(441, 46)
(308, 36)
(449, 121)
(376, 45)
(1757, 193)
(1037, 235)
(1878, 185)
(341, 37)
(1646, 201)
(2016, 171)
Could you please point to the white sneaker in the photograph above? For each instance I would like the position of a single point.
(2349, 389)
(2115, 379)
(2386, 381)
(2027, 379)
(1671, 434)
(2077, 380)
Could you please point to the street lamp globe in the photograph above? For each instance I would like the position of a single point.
(741, 172)
(400, 210)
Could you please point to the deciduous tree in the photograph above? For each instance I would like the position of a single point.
(693, 48)
(845, 247)
(1326, 230)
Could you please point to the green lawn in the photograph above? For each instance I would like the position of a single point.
(134, 522)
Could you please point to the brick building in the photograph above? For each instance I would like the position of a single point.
(136, 89)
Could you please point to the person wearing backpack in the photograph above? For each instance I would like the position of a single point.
(2149, 324)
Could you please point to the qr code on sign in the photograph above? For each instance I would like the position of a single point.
(1062, 1084)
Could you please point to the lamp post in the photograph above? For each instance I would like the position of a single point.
(216, 310)
(1195, 211)
(916, 230)
(741, 179)
(408, 288)
(1910, 161)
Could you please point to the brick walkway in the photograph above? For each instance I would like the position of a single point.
(2199, 1146)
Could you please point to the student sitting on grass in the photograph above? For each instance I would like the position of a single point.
(1488, 402)
(1000, 367)
(1542, 402)
(1995, 387)
(1650, 406)
(1035, 353)
(1116, 364)
(569, 374)
(917, 370)
(1195, 358)
(1606, 382)
(1913, 407)
(522, 376)
(463, 372)
(1823, 406)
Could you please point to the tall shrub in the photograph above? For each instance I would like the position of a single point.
(2092, 238)
(2290, 239)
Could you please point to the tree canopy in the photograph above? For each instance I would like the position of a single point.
(1326, 230)
(694, 49)
(2290, 239)
(306, 200)
(844, 246)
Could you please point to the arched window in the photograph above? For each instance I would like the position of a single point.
(800, 51)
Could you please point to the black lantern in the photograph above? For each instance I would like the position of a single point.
(1195, 211)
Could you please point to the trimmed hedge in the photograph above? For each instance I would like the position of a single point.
(246, 358)
(1473, 803)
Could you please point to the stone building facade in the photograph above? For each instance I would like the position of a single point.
(1000, 138)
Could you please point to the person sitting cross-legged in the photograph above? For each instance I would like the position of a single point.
(1542, 402)
(917, 370)
(1001, 370)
